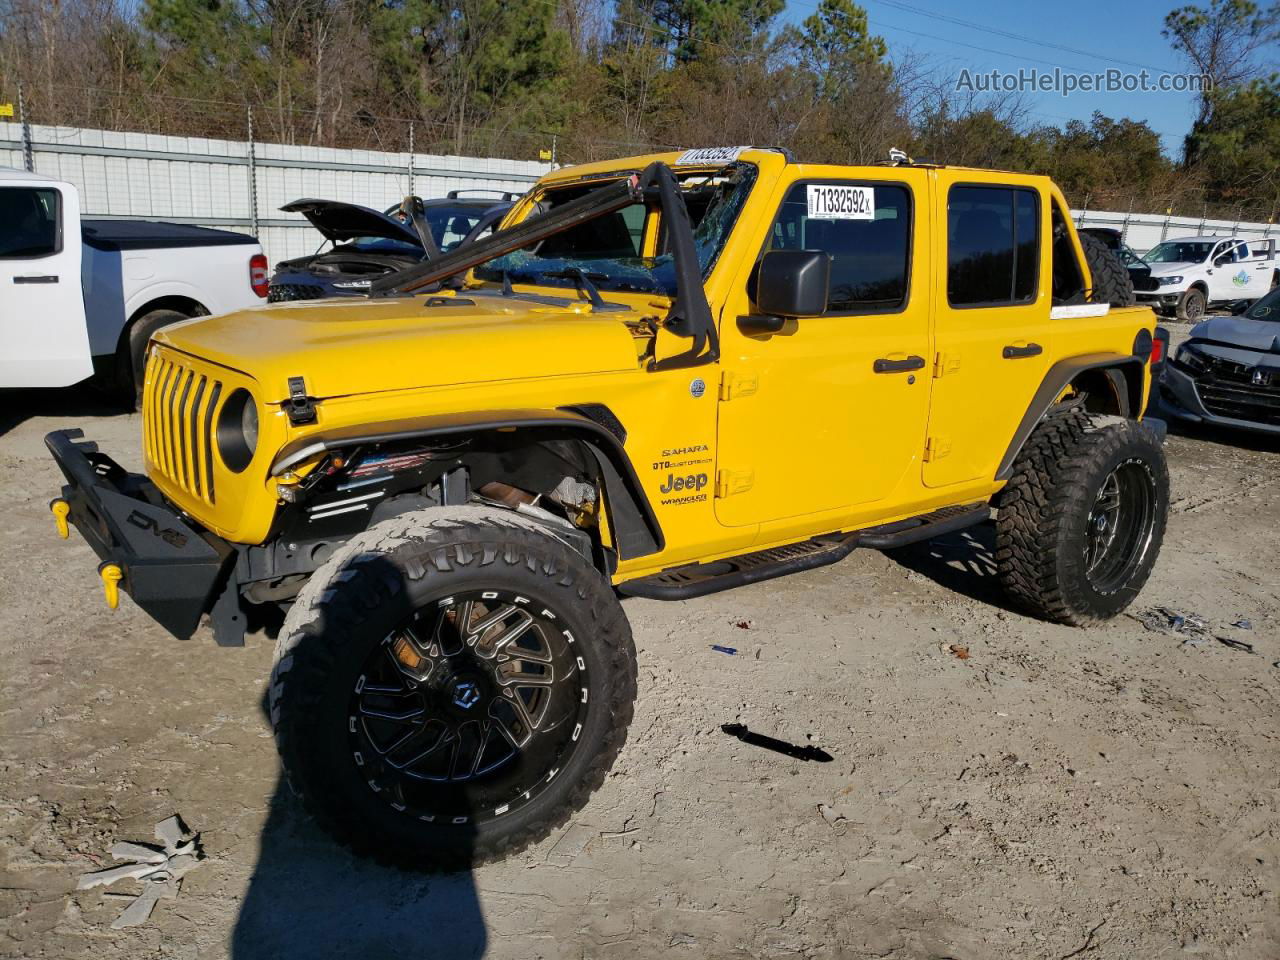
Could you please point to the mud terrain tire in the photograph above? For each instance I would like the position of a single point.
(1111, 281)
(1054, 517)
(344, 620)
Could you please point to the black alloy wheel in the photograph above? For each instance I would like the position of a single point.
(468, 708)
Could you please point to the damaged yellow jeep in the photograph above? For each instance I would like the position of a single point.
(664, 376)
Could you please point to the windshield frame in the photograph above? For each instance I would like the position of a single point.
(557, 275)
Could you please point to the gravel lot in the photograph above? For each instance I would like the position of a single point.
(1110, 793)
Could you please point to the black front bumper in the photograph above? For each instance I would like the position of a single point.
(171, 568)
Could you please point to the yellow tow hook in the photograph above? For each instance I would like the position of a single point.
(61, 510)
(111, 575)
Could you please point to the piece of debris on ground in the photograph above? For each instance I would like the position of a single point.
(159, 869)
(731, 651)
(807, 752)
(961, 652)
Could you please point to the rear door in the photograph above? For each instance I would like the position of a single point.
(992, 301)
(43, 339)
(830, 412)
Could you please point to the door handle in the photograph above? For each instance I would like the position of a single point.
(1013, 352)
(32, 278)
(885, 365)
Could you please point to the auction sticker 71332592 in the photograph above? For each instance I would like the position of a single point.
(831, 201)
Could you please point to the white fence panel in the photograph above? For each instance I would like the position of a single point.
(226, 184)
(1144, 230)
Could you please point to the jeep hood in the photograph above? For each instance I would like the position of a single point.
(1260, 335)
(350, 346)
(339, 222)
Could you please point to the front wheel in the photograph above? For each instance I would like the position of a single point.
(1192, 305)
(450, 687)
(1081, 520)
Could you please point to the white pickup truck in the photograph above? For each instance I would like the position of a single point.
(83, 295)
(1191, 273)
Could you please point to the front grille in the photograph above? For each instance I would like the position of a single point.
(1227, 389)
(1256, 406)
(178, 407)
(1145, 283)
(280, 292)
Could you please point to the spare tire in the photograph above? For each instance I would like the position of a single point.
(1111, 281)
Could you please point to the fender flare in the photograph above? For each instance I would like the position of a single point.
(635, 527)
(1060, 375)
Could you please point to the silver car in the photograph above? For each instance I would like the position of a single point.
(1228, 371)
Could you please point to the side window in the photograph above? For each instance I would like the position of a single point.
(30, 219)
(993, 245)
(1260, 250)
(869, 240)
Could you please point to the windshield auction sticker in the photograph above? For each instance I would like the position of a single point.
(706, 155)
(836, 202)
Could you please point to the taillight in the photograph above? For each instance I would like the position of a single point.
(1157, 351)
(258, 279)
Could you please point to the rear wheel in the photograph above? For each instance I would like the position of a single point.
(1082, 519)
(450, 687)
(131, 364)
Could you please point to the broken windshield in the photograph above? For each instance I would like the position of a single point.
(610, 250)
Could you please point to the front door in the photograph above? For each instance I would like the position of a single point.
(830, 412)
(42, 322)
(992, 299)
(1232, 277)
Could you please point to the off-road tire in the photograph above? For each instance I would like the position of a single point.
(131, 362)
(1045, 508)
(1192, 306)
(349, 606)
(1111, 281)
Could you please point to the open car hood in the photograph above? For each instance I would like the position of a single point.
(340, 222)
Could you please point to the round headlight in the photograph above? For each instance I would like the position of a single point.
(238, 430)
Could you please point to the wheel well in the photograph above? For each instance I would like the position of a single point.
(1201, 286)
(563, 464)
(1110, 390)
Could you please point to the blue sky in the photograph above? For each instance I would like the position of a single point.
(1119, 35)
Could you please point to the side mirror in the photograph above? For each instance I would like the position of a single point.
(1222, 261)
(789, 284)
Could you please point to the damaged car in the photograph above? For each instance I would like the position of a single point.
(367, 244)
(1228, 372)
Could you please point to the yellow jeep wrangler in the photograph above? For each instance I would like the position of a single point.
(664, 376)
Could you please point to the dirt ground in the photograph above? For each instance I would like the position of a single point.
(1111, 793)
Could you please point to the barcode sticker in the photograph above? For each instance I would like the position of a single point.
(837, 202)
(707, 155)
